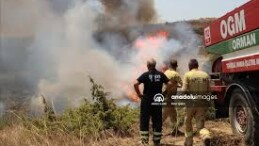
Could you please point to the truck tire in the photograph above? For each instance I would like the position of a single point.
(243, 119)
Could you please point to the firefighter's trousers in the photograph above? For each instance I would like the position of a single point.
(199, 113)
(170, 111)
(154, 112)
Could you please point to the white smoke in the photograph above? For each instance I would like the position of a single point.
(184, 48)
(77, 57)
(61, 53)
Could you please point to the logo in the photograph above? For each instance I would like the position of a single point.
(233, 25)
(159, 98)
(207, 36)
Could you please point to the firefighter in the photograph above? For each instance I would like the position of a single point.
(169, 110)
(153, 81)
(196, 82)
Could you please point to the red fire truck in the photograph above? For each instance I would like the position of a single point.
(234, 42)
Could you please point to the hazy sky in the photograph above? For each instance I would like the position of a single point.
(174, 10)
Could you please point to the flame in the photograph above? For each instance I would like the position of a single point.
(152, 41)
(130, 93)
(146, 47)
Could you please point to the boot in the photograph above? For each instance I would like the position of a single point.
(156, 143)
(207, 142)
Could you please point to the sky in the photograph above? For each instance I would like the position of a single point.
(176, 10)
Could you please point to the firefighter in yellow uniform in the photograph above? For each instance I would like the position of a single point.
(196, 82)
(169, 110)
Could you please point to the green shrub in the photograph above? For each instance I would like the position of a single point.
(91, 118)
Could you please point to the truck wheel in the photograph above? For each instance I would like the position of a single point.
(243, 120)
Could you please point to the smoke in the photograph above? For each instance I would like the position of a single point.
(49, 48)
(183, 47)
(20, 23)
(120, 14)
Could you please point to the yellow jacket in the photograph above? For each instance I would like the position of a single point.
(196, 81)
(175, 78)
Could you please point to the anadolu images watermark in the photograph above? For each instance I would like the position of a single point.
(159, 99)
(207, 97)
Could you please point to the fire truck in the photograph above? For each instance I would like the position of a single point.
(233, 41)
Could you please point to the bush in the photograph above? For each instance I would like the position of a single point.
(90, 118)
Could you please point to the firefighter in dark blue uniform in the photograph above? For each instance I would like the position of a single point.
(153, 81)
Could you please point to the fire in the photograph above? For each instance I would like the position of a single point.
(130, 93)
(146, 47)
(152, 41)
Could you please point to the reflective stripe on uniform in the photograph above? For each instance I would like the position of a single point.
(157, 138)
(143, 137)
(157, 133)
(144, 132)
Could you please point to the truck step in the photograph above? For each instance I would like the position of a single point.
(216, 82)
(215, 75)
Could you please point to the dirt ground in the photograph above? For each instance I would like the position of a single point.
(220, 129)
